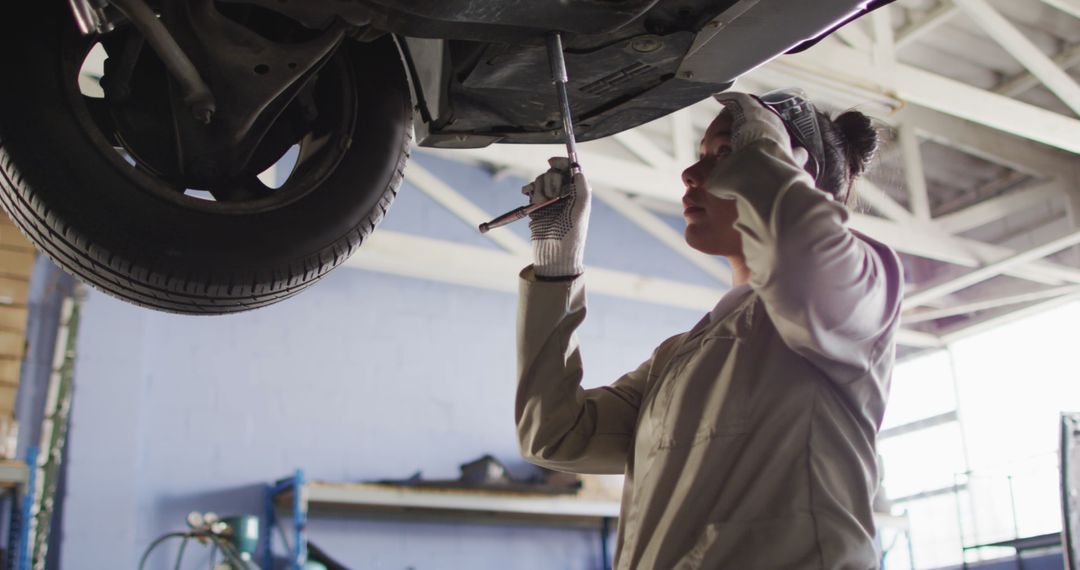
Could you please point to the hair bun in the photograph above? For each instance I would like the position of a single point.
(860, 140)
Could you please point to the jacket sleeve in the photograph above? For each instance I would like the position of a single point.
(833, 295)
(560, 425)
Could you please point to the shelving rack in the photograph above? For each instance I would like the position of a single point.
(17, 478)
(299, 496)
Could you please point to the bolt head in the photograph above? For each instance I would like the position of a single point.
(203, 115)
(646, 44)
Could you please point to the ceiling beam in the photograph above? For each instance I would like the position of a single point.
(853, 35)
(1024, 50)
(884, 43)
(924, 241)
(1070, 7)
(949, 285)
(633, 178)
(1065, 59)
(988, 143)
(417, 257)
(987, 303)
(660, 230)
(645, 149)
(464, 209)
(833, 63)
(683, 140)
(978, 325)
(447, 262)
(878, 199)
(994, 209)
(914, 175)
(530, 160)
(918, 339)
(925, 23)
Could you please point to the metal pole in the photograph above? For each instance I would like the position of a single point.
(559, 78)
(268, 540)
(1016, 525)
(300, 509)
(26, 509)
(605, 534)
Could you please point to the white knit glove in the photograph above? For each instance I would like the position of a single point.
(558, 231)
(752, 121)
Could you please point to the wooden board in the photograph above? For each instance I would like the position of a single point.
(7, 399)
(11, 238)
(10, 370)
(12, 344)
(16, 263)
(14, 291)
(13, 318)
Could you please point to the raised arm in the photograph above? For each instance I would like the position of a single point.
(561, 425)
(833, 295)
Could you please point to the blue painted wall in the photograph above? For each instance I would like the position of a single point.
(364, 376)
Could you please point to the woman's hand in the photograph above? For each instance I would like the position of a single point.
(558, 230)
(752, 121)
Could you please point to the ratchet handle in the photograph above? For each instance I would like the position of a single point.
(559, 78)
(517, 213)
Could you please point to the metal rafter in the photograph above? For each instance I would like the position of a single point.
(463, 208)
(1024, 50)
(419, 257)
(925, 23)
(878, 199)
(1070, 7)
(664, 233)
(635, 178)
(993, 209)
(1065, 59)
(914, 175)
(958, 332)
(683, 140)
(946, 286)
(884, 42)
(831, 64)
(987, 143)
(988, 303)
(645, 149)
(853, 35)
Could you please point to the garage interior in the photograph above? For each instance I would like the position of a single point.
(369, 420)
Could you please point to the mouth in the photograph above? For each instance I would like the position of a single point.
(691, 209)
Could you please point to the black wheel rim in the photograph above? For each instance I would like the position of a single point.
(316, 129)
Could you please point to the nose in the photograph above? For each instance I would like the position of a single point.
(694, 175)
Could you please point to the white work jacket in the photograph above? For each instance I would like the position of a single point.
(747, 442)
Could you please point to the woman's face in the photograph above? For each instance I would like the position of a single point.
(710, 220)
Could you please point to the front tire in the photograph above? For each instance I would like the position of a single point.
(104, 218)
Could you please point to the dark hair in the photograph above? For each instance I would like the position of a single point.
(851, 142)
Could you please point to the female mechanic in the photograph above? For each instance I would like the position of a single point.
(749, 441)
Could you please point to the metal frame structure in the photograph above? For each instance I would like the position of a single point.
(371, 498)
(22, 479)
(976, 255)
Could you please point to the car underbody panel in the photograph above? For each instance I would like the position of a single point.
(669, 57)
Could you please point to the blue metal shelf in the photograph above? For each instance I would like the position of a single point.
(301, 494)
